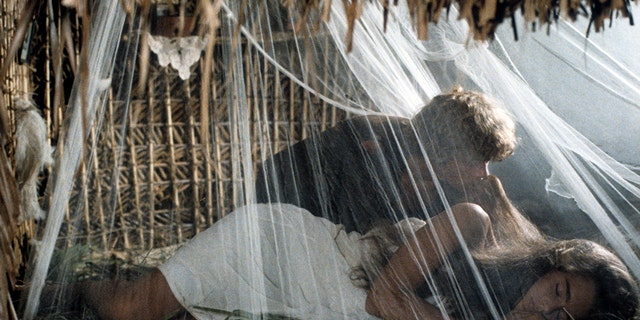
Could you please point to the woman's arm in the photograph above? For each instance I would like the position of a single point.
(393, 293)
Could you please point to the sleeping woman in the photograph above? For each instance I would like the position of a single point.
(278, 259)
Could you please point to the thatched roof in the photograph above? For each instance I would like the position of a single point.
(483, 16)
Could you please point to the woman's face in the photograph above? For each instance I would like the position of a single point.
(556, 296)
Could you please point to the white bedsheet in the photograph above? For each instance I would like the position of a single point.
(275, 258)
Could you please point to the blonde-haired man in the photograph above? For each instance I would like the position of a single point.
(370, 168)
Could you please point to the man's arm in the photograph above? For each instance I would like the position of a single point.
(393, 293)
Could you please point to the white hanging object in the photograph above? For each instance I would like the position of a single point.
(179, 52)
(33, 153)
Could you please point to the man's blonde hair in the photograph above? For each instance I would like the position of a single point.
(469, 117)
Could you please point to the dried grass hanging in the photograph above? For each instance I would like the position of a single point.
(483, 16)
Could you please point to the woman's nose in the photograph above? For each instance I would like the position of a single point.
(552, 309)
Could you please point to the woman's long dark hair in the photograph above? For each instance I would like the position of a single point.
(616, 289)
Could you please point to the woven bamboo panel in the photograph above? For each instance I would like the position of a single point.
(153, 182)
(17, 79)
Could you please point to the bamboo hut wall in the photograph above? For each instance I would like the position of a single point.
(170, 184)
(17, 81)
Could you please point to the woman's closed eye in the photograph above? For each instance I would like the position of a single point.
(557, 313)
(563, 291)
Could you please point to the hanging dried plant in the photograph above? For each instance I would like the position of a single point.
(483, 16)
(210, 13)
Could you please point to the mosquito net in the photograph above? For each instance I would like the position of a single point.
(574, 173)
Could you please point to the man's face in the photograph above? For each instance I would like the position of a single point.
(458, 178)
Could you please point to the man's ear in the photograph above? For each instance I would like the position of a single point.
(371, 147)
